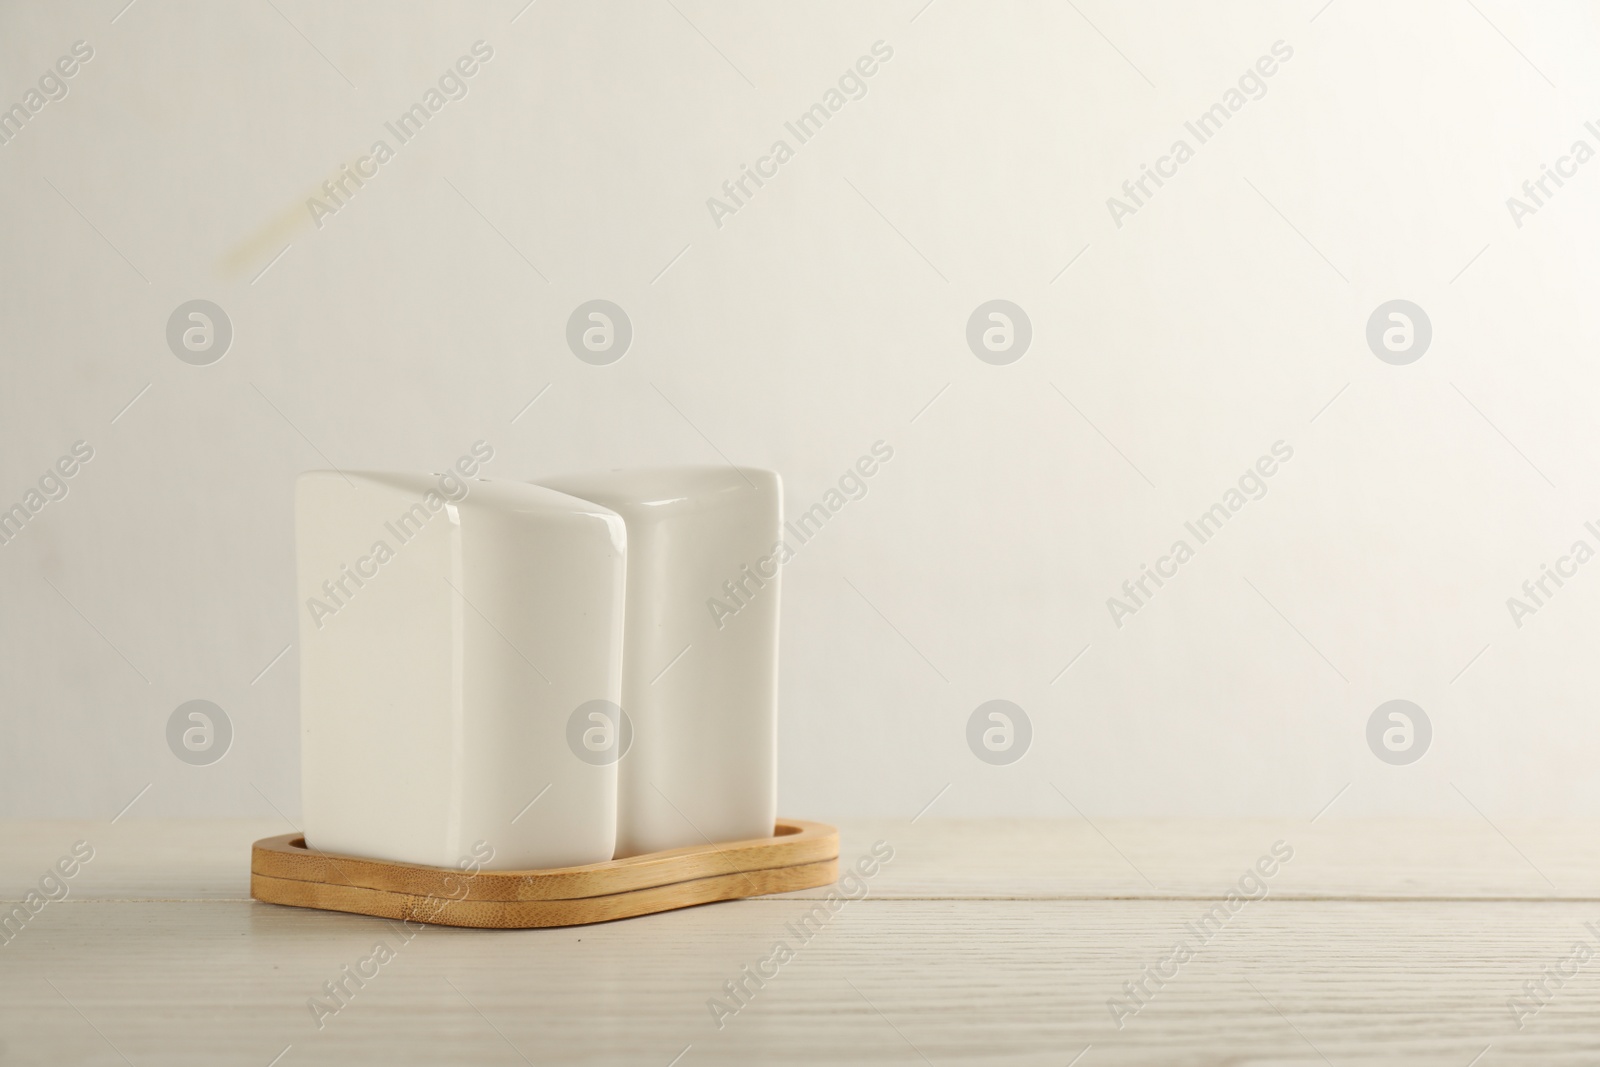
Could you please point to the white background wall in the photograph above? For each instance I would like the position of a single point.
(825, 315)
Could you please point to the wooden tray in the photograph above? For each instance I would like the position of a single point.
(800, 855)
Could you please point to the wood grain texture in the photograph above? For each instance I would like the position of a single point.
(801, 855)
(528, 914)
(1379, 943)
(1344, 859)
(1028, 859)
(795, 842)
(883, 982)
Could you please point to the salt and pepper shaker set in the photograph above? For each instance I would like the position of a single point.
(512, 676)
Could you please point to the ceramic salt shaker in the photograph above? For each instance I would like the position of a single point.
(700, 651)
(451, 631)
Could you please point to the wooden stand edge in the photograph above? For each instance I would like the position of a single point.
(800, 855)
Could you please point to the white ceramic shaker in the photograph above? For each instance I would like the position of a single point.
(700, 651)
(450, 632)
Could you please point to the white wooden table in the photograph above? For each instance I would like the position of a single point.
(981, 942)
